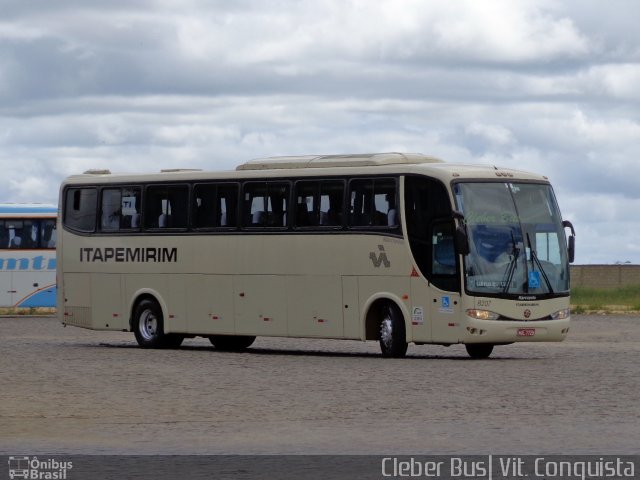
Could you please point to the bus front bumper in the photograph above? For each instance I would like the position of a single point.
(507, 331)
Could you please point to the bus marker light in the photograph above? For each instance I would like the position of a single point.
(405, 297)
(172, 316)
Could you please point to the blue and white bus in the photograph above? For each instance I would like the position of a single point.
(27, 255)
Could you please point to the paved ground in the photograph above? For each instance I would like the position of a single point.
(68, 390)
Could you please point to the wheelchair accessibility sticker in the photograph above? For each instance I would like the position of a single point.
(445, 305)
(534, 279)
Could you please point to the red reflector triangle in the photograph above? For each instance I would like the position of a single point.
(414, 272)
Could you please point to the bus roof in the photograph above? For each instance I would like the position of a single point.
(322, 165)
(329, 161)
(27, 210)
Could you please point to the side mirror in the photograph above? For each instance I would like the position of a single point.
(571, 247)
(460, 238)
(461, 241)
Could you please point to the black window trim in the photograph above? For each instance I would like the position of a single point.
(120, 187)
(322, 228)
(344, 228)
(64, 210)
(192, 205)
(268, 228)
(385, 228)
(143, 219)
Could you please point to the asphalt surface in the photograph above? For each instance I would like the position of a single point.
(75, 391)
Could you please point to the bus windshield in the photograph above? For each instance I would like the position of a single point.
(516, 240)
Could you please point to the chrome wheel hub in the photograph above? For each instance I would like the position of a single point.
(148, 325)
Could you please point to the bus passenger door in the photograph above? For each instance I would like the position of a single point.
(445, 308)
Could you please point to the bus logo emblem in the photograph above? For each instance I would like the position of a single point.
(380, 259)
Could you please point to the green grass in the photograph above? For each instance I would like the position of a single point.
(27, 311)
(584, 298)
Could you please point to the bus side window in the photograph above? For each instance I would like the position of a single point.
(331, 203)
(166, 206)
(4, 235)
(79, 211)
(266, 204)
(227, 206)
(306, 205)
(48, 234)
(204, 206)
(110, 208)
(373, 203)
(15, 234)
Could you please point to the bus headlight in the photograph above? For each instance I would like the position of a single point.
(483, 314)
(561, 314)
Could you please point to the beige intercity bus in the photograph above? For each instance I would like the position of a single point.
(398, 248)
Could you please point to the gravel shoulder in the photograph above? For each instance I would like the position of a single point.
(69, 390)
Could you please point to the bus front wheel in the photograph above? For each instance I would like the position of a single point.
(393, 338)
(148, 327)
(479, 350)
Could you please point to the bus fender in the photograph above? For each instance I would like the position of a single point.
(147, 292)
(373, 302)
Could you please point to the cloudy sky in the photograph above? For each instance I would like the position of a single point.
(547, 86)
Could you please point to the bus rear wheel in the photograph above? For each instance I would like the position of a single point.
(479, 350)
(232, 343)
(393, 338)
(148, 327)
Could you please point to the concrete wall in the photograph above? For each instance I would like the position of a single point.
(604, 276)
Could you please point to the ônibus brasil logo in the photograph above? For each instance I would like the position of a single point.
(32, 468)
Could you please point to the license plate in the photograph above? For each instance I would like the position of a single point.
(526, 332)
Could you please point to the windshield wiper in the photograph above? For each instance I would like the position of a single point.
(513, 264)
(536, 261)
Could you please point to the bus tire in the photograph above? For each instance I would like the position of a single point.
(232, 343)
(479, 350)
(393, 338)
(148, 327)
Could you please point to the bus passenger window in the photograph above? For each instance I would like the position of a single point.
(266, 204)
(4, 235)
(120, 209)
(48, 234)
(306, 205)
(111, 209)
(15, 234)
(215, 205)
(331, 203)
(80, 209)
(166, 206)
(227, 202)
(373, 203)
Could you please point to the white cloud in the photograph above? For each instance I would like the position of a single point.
(545, 86)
